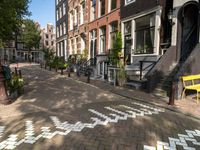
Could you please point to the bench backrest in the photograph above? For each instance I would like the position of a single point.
(190, 78)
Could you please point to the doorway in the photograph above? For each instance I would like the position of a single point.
(189, 22)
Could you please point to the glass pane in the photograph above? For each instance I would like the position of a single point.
(113, 4)
(127, 27)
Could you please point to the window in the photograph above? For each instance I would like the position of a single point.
(57, 15)
(145, 30)
(60, 12)
(47, 43)
(129, 1)
(61, 30)
(71, 21)
(102, 39)
(64, 8)
(52, 43)
(93, 10)
(76, 18)
(113, 4)
(82, 12)
(93, 43)
(102, 7)
(57, 32)
(113, 33)
(127, 41)
(64, 28)
(47, 36)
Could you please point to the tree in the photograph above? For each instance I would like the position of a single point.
(11, 14)
(115, 51)
(31, 34)
(48, 56)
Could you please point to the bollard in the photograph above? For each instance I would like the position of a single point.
(88, 77)
(68, 71)
(16, 72)
(172, 93)
(20, 73)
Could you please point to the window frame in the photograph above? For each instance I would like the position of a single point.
(130, 2)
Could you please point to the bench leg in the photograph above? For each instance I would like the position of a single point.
(183, 94)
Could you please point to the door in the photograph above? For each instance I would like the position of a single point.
(190, 15)
(127, 49)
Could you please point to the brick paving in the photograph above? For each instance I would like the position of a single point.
(187, 106)
(56, 104)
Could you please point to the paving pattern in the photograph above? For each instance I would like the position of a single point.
(182, 140)
(64, 128)
(58, 113)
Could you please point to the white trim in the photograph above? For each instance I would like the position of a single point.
(133, 26)
(144, 13)
(129, 2)
(157, 12)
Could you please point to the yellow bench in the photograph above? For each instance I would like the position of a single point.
(191, 82)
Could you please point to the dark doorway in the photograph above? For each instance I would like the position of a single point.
(189, 23)
(127, 49)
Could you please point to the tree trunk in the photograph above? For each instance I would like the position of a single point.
(3, 94)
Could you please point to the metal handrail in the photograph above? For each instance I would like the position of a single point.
(143, 69)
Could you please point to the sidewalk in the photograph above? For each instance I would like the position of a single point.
(187, 106)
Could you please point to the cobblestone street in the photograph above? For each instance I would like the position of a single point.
(57, 112)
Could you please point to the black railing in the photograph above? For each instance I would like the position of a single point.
(150, 66)
(85, 67)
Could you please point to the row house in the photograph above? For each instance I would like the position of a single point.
(15, 49)
(48, 37)
(77, 26)
(104, 23)
(161, 42)
(160, 38)
(61, 28)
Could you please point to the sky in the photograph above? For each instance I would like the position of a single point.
(43, 11)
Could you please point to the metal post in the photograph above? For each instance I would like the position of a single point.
(16, 72)
(20, 73)
(68, 71)
(115, 77)
(61, 72)
(88, 77)
(172, 93)
(141, 67)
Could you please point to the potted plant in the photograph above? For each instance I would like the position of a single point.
(121, 74)
(15, 86)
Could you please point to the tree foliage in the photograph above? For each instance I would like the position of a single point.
(48, 55)
(11, 14)
(115, 51)
(31, 34)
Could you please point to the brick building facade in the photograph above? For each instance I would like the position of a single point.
(77, 26)
(104, 23)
